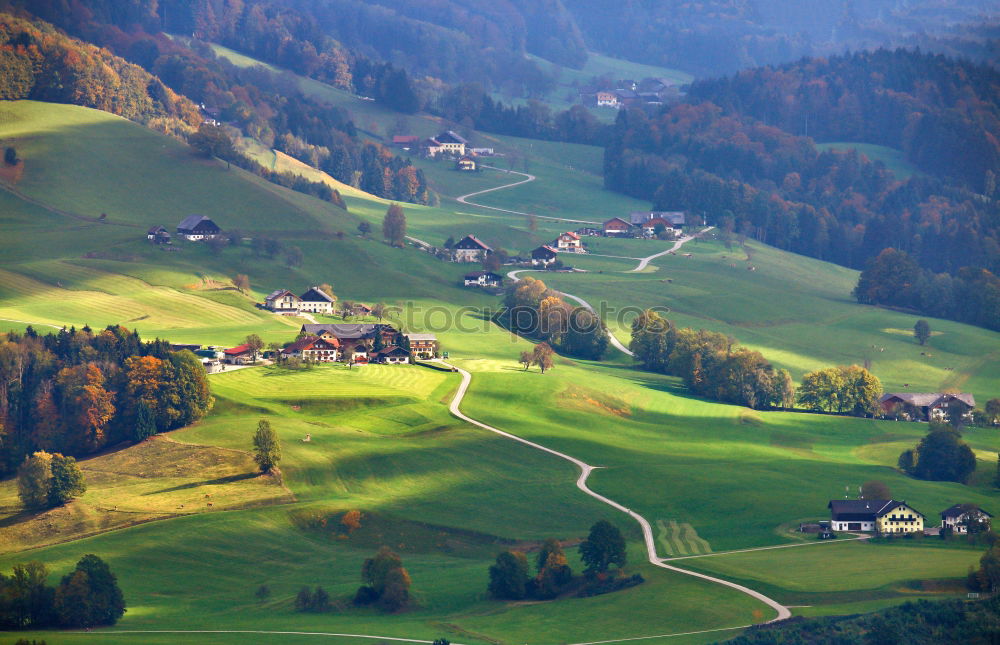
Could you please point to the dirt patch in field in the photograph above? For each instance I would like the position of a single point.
(581, 398)
(11, 174)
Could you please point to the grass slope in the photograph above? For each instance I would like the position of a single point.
(895, 160)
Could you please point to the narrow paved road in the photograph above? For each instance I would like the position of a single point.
(644, 262)
(464, 199)
(581, 483)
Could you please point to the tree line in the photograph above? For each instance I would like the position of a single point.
(711, 364)
(88, 596)
(75, 392)
(535, 311)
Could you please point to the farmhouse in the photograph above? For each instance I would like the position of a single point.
(405, 141)
(607, 99)
(467, 163)
(657, 225)
(352, 333)
(675, 219)
(470, 249)
(316, 301)
(448, 142)
(313, 348)
(197, 227)
(543, 255)
(617, 227)
(391, 355)
(239, 355)
(422, 345)
(483, 279)
(960, 516)
(569, 242)
(281, 300)
(927, 406)
(158, 235)
(874, 516)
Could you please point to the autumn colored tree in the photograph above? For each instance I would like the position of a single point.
(394, 225)
(254, 344)
(526, 359)
(266, 447)
(88, 404)
(875, 490)
(242, 283)
(386, 581)
(351, 520)
(542, 356)
(327, 289)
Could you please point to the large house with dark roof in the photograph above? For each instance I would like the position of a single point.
(926, 406)
(356, 340)
(483, 279)
(958, 517)
(882, 516)
(314, 300)
(543, 255)
(674, 218)
(448, 142)
(197, 227)
(617, 227)
(470, 249)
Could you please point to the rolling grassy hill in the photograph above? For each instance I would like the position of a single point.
(443, 494)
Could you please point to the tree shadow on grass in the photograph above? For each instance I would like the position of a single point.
(20, 517)
(208, 482)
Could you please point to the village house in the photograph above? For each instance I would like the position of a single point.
(405, 141)
(422, 345)
(483, 279)
(927, 406)
(676, 219)
(281, 300)
(431, 148)
(960, 516)
(158, 235)
(316, 301)
(467, 163)
(543, 256)
(569, 242)
(391, 355)
(874, 516)
(448, 142)
(606, 99)
(657, 225)
(482, 152)
(355, 340)
(239, 355)
(360, 309)
(617, 227)
(589, 231)
(470, 249)
(197, 227)
(314, 349)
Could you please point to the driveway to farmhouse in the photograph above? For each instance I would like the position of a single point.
(464, 199)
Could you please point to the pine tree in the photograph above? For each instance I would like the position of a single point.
(145, 422)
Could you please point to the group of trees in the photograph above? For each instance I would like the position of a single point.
(941, 455)
(88, 596)
(47, 480)
(75, 391)
(535, 311)
(843, 389)
(894, 278)
(387, 583)
(603, 548)
(711, 364)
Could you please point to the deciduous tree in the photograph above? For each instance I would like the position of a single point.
(922, 331)
(394, 225)
(254, 344)
(267, 449)
(34, 480)
(542, 356)
(67, 480)
(509, 576)
(603, 547)
(875, 490)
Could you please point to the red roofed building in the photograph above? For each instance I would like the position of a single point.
(405, 140)
(315, 349)
(239, 355)
(569, 242)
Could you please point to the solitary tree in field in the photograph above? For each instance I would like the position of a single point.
(294, 257)
(603, 547)
(394, 225)
(242, 283)
(543, 356)
(875, 490)
(212, 141)
(922, 331)
(254, 344)
(67, 480)
(266, 449)
(527, 358)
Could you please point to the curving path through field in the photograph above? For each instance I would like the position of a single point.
(581, 483)
(464, 199)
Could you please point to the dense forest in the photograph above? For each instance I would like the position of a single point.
(254, 102)
(721, 36)
(77, 391)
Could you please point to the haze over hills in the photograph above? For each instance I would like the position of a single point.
(719, 387)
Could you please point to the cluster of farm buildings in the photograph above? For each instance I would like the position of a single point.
(891, 517)
(627, 93)
(192, 228)
(449, 144)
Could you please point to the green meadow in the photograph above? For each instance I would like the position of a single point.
(895, 160)
(447, 496)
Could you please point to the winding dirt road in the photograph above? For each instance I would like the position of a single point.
(464, 199)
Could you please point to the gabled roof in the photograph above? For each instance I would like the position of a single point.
(191, 221)
(674, 217)
(421, 336)
(236, 351)
(956, 511)
(450, 136)
(471, 242)
(617, 220)
(310, 343)
(891, 506)
(391, 349)
(315, 294)
(489, 275)
(855, 510)
(570, 234)
(156, 229)
(929, 399)
(544, 251)
(279, 293)
(347, 331)
(653, 223)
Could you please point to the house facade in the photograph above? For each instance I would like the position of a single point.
(651, 227)
(197, 227)
(483, 279)
(569, 242)
(448, 142)
(281, 300)
(239, 355)
(422, 345)
(467, 163)
(316, 301)
(543, 256)
(960, 516)
(470, 249)
(391, 355)
(874, 516)
(314, 349)
(158, 235)
(607, 99)
(926, 406)
(675, 219)
(617, 227)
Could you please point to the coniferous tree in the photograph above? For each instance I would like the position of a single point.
(145, 422)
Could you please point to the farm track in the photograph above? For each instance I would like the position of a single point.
(464, 199)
